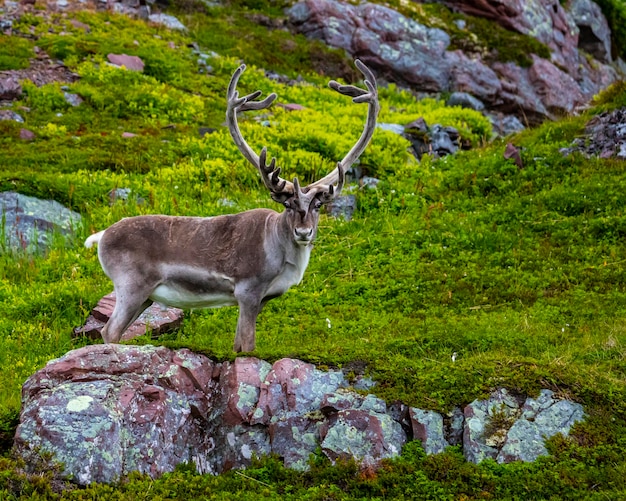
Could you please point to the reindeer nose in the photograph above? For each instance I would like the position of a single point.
(304, 233)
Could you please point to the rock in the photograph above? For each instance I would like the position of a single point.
(465, 100)
(361, 434)
(73, 99)
(594, 33)
(486, 424)
(80, 25)
(371, 183)
(443, 140)
(557, 90)
(511, 152)
(104, 411)
(502, 429)
(503, 125)
(10, 88)
(428, 428)
(342, 206)
(545, 20)
(395, 128)
(27, 135)
(454, 423)
(30, 223)
(605, 136)
(132, 63)
(541, 419)
(402, 50)
(291, 106)
(128, 134)
(437, 139)
(107, 410)
(167, 20)
(11, 115)
(157, 319)
(380, 36)
(124, 194)
(471, 75)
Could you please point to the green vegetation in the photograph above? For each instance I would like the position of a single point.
(520, 271)
(14, 53)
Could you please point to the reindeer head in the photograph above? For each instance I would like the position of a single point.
(302, 205)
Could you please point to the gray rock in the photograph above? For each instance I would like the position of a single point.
(594, 33)
(428, 428)
(342, 206)
(30, 223)
(541, 419)
(11, 115)
(411, 54)
(73, 99)
(454, 426)
(103, 411)
(368, 182)
(503, 125)
(380, 36)
(167, 20)
(486, 424)
(444, 140)
(465, 100)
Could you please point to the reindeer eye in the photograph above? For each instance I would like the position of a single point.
(317, 205)
(287, 205)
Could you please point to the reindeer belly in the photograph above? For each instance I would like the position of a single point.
(195, 289)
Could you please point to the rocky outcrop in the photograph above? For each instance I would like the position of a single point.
(104, 411)
(605, 136)
(402, 50)
(30, 224)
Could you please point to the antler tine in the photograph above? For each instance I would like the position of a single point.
(235, 104)
(270, 173)
(358, 95)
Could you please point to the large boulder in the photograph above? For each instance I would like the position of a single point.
(104, 411)
(31, 224)
(402, 50)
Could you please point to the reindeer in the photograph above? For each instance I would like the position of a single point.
(242, 259)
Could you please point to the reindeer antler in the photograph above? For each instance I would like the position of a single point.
(269, 173)
(358, 95)
(333, 182)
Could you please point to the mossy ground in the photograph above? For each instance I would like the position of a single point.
(519, 271)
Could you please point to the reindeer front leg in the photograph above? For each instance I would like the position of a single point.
(249, 308)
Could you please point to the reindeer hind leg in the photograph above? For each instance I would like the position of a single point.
(126, 311)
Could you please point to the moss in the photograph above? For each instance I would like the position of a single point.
(15, 52)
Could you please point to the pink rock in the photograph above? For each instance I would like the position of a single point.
(133, 63)
(156, 319)
(241, 382)
(27, 135)
(291, 106)
(128, 134)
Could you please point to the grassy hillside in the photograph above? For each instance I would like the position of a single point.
(520, 272)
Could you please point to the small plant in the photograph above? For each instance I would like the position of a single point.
(500, 421)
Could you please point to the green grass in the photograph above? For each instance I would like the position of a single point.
(520, 272)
